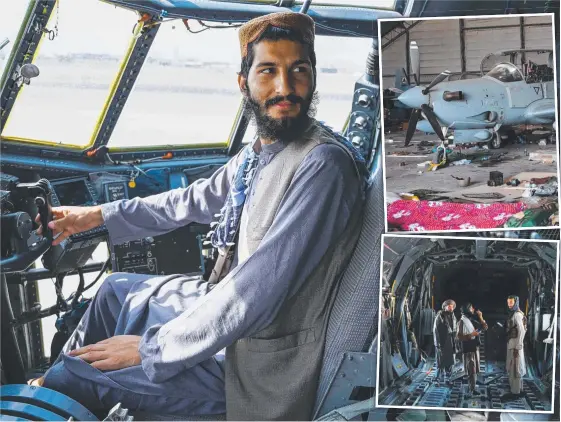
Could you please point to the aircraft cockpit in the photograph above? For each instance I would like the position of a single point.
(506, 72)
(522, 65)
(105, 101)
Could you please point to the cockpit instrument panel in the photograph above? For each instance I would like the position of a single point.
(115, 191)
(73, 192)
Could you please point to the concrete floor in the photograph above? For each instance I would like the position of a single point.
(403, 178)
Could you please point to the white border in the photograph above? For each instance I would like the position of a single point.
(556, 123)
(463, 409)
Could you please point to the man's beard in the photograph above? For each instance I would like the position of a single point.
(287, 128)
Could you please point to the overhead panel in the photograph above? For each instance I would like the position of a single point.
(394, 58)
(439, 45)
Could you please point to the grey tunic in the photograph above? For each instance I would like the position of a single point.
(516, 366)
(179, 335)
(444, 332)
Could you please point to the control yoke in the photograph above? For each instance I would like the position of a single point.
(18, 226)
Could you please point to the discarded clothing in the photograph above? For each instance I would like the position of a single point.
(438, 215)
(533, 217)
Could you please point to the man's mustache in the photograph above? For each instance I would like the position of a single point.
(295, 99)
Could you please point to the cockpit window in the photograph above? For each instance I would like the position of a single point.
(506, 72)
(340, 63)
(187, 90)
(10, 27)
(77, 68)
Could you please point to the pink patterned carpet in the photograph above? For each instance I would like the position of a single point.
(437, 215)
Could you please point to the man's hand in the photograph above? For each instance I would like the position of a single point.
(72, 220)
(475, 333)
(479, 314)
(109, 355)
(515, 353)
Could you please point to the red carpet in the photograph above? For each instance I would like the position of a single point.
(437, 215)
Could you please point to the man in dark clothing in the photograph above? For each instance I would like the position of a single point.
(470, 326)
(444, 331)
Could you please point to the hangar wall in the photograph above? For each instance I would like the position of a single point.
(440, 43)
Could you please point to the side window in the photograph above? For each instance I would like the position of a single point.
(77, 67)
(10, 27)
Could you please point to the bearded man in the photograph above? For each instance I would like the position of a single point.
(295, 197)
(516, 327)
(469, 329)
(445, 329)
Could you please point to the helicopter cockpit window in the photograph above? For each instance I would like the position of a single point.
(77, 67)
(506, 72)
(340, 63)
(10, 28)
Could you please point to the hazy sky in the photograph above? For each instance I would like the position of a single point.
(91, 26)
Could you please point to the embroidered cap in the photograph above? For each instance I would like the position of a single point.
(299, 22)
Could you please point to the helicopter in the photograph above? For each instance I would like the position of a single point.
(484, 109)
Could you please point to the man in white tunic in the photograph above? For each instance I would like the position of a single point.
(515, 364)
(470, 327)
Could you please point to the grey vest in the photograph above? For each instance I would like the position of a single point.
(274, 374)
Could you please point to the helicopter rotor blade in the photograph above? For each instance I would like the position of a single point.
(431, 117)
(436, 81)
(412, 125)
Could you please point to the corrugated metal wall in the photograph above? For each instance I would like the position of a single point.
(440, 44)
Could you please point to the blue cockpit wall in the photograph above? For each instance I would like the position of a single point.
(56, 158)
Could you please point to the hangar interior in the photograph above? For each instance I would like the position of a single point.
(507, 163)
(420, 274)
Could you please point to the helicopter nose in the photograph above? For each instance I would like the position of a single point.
(414, 97)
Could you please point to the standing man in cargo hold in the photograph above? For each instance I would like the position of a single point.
(515, 362)
(445, 330)
(469, 329)
(296, 194)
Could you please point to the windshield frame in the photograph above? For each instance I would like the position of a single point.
(230, 145)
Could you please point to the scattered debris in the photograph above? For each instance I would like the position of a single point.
(409, 197)
(484, 195)
(463, 182)
(405, 154)
(544, 157)
(532, 217)
(495, 179)
(462, 162)
(426, 144)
